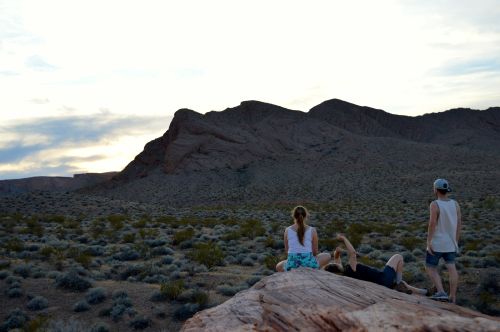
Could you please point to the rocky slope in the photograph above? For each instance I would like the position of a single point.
(258, 152)
(308, 300)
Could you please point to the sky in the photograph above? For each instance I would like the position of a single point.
(84, 85)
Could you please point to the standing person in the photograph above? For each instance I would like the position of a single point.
(445, 223)
(301, 244)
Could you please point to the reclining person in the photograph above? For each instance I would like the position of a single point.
(391, 276)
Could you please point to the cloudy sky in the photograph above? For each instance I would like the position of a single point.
(85, 84)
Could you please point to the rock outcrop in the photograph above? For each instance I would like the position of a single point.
(308, 300)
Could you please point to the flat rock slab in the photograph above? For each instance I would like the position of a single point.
(312, 300)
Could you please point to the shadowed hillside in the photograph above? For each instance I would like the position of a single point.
(258, 152)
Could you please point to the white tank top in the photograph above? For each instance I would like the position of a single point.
(294, 246)
(445, 235)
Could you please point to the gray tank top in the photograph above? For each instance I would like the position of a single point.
(445, 236)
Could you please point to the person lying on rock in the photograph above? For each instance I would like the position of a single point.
(301, 244)
(391, 276)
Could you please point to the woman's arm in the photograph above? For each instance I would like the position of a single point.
(314, 242)
(285, 240)
(459, 222)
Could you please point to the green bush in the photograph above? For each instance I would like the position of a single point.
(116, 221)
(183, 235)
(270, 261)
(252, 228)
(208, 254)
(14, 244)
(172, 289)
(129, 238)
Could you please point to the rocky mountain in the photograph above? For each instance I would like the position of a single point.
(258, 152)
(308, 300)
(53, 183)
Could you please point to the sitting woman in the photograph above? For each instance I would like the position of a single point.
(301, 244)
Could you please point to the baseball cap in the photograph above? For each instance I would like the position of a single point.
(442, 184)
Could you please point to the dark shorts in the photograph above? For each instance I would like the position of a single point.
(433, 260)
(388, 277)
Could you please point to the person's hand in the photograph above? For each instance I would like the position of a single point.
(340, 236)
(429, 249)
(337, 252)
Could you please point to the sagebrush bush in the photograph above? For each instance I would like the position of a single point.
(228, 290)
(194, 296)
(23, 270)
(96, 295)
(119, 294)
(37, 303)
(186, 311)
(81, 306)
(73, 281)
(14, 292)
(100, 327)
(16, 319)
(183, 235)
(253, 280)
(140, 322)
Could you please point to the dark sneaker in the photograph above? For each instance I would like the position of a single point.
(440, 296)
(401, 287)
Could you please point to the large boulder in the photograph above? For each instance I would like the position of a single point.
(311, 300)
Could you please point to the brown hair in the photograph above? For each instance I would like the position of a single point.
(299, 214)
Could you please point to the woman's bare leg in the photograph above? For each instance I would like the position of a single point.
(280, 267)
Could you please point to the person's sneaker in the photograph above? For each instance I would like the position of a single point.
(401, 287)
(440, 296)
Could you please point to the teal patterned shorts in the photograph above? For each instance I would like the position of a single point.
(297, 260)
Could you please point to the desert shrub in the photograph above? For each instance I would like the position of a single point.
(194, 296)
(418, 252)
(117, 311)
(270, 261)
(16, 319)
(364, 248)
(183, 235)
(128, 254)
(172, 289)
(131, 270)
(167, 260)
(4, 263)
(38, 303)
(34, 227)
(96, 295)
(81, 306)
(234, 235)
(247, 261)
(408, 257)
(269, 242)
(116, 221)
(140, 323)
(208, 254)
(119, 294)
(39, 323)
(158, 296)
(228, 290)
(252, 228)
(158, 251)
(473, 244)
(14, 292)
(411, 243)
(14, 244)
(156, 243)
(186, 311)
(100, 327)
(140, 223)
(23, 270)
(72, 281)
(128, 238)
(487, 292)
(4, 274)
(253, 280)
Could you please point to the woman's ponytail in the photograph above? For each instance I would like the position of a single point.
(300, 214)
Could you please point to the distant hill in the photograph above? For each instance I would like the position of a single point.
(259, 152)
(52, 183)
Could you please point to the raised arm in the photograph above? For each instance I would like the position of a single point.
(351, 252)
(314, 242)
(433, 217)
